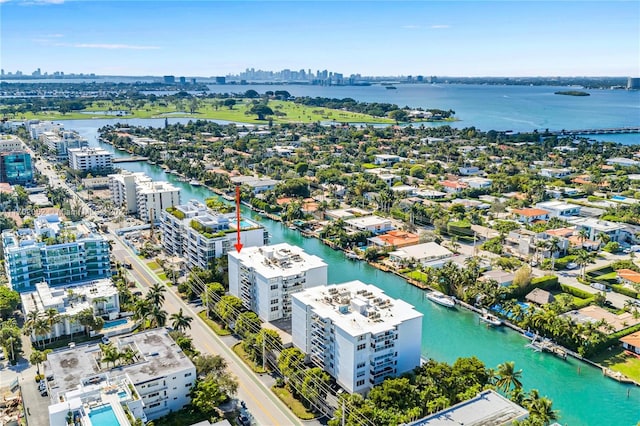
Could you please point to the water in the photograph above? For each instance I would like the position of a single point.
(581, 393)
(103, 416)
(122, 395)
(116, 323)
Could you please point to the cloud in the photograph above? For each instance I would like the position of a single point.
(113, 46)
(411, 27)
(34, 2)
(54, 35)
(439, 27)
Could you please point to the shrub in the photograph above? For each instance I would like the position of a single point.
(579, 293)
(625, 264)
(39, 377)
(547, 282)
(624, 290)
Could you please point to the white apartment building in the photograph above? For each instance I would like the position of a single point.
(86, 159)
(152, 198)
(356, 333)
(37, 128)
(594, 227)
(161, 376)
(123, 189)
(200, 235)
(264, 278)
(9, 143)
(59, 142)
(99, 295)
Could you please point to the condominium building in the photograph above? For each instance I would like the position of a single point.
(87, 159)
(158, 380)
(264, 278)
(15, 167)
(356, 333)
(137, 193)
(54, 252)
(200, 235)
(60, 141)
(37, 128)
(68, 301)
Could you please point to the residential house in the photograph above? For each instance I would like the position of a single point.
(594, 227)
(559, 209)
(628, 276)
(429, 254)
(503, 278)
(556, 173)
(539, 297)
(530, 215)
(477, 182)
(394, 239)
(632, 342)
(452, 186)
(375, 224)
(469, 171)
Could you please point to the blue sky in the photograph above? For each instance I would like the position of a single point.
(208, 38)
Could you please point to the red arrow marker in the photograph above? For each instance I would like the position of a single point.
(238, 245)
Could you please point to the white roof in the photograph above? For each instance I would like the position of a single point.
(354, 307)
(599, 225)
(420, 251)
(556, 205)
(278, 260)
(366, 221)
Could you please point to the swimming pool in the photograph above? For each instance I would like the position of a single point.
(114, 323)
(618, 197)
(122, 395)
(103, 416)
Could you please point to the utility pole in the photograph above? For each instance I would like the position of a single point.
(264, 338)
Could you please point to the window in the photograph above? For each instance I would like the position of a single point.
(361, 338)
(361, 346)
(274, 309)
(274, 286)
(359, 383)
(360, 374)
(360, 365)
(274, 302)
(186, 375)
(154, 405)
(188, 385)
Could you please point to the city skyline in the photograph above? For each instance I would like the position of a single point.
(209, 38)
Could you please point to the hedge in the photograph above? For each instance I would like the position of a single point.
(579, 293)
(624, 290)
(613, 339)
(547, 282)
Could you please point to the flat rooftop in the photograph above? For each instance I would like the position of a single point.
(278, 260)
(356, 307)
(158, 356)
(488, 408)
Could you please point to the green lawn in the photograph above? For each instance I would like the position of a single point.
(294, 113)
(239, 350)
(418, 276)
(294, 405)
(617, 360)
(213, 325)
(153, 266)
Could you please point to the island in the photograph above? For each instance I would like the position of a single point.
(572, 93)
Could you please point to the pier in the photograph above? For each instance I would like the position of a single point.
(132, 159)
(610, 131)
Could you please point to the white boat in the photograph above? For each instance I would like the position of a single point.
(491, 319)
(194, 182)
(351, 255)
(441, 299)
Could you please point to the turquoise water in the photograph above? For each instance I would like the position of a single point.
(115, 323)
(122, 394)
(103, 416)
(618, 197)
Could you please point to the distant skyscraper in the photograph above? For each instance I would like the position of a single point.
(633, 83)
(169, 79)
(221, 80)
(183, 80)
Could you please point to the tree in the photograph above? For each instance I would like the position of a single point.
(399, 115)
(583, 258)
(522, 277)
(141, 310)
(315, 384)
(181, 322)
(227, 308)
(247, 322)
(41, 328)
(554, 247)
(261, 110)
(155, 295)
(158, 316)
(9, 301)
(229, 103)
(251, 94)
(10, 339)
(210, 364)
(38, 357)
(208, 394)
(508, 377)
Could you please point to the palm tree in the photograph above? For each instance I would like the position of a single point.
(30, 323)
(583, 235)
(604, 238)
(37, 358)
(542, 410)
(508, 376)
(156, 294)
(554, 246)
(583, 258)
(41, 328)
(158, 316)
(141, 311)
(102, 301)
(52, 317)
(180, 321)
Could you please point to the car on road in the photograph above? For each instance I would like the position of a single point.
(105, 340)
(571, 266)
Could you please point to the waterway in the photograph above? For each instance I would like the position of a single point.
(580, 392)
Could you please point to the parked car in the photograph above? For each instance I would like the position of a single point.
(105, 340)
(571, 265)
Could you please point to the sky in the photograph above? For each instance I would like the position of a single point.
(373, 38)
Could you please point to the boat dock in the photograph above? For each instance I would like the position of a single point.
(546, 345)
(132, 159)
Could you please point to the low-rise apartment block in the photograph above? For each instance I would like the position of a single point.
(157, 381)
(88, 159)
(54, 252)
(200, 235)
(137, 193)
(356, 333)
(264, 278)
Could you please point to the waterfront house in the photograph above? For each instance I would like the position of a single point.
(503, 278)
(257, 184)
(429, 254)
(394, 239)
(375, 224)
(632, 342)
(348, 213)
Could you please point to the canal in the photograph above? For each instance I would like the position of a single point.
(581, 394)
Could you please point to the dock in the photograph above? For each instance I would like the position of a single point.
(546, 345)
(131, 159)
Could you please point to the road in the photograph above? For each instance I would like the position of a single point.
(266, 408)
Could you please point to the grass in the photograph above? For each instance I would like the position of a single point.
(63, 342)
(294, 405)
(153, 265)
(418, 276)
(187, 416)
(163, 276)
(239, 350)
(213, 325)
(618, 360)
(294, 113)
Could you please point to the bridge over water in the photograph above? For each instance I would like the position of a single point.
(610, 131)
